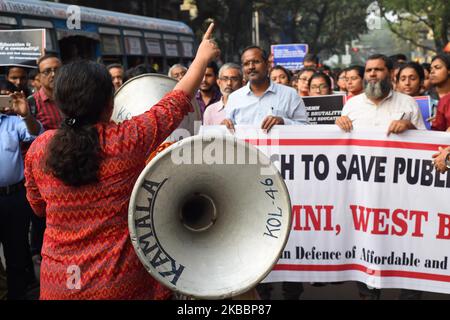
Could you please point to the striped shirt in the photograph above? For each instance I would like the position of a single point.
(47, 112)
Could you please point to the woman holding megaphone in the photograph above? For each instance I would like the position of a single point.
(81, 175)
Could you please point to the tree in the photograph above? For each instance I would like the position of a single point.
(323, 25)
(419, 16)
(233, 24)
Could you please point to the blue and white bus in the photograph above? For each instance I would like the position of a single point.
(104, 36)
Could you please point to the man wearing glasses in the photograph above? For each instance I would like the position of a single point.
(42, 104)
(261, 102)
(230, 80)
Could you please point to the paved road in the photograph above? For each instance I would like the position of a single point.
(344, 291)
(348, 291)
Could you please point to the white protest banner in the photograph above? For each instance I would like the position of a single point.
(366, 207)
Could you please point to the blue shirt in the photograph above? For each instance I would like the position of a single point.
(243, 107)
(13, 130)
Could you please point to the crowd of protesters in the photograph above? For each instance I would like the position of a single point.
(74, 102)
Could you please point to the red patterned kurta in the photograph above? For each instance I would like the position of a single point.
(87, 227)
(442, 119)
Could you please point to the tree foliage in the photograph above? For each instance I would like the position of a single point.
(323, 25)
(419, 16)
(233, 24)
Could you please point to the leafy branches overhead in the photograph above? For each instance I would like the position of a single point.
(415, 18)
(324, 25)
(233, 23)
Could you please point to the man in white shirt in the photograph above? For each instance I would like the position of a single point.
(379, 105)
(230, 80)
(262, 102)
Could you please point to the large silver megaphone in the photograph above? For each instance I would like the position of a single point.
(138, 94)
(209, 217)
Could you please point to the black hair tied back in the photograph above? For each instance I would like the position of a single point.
(83, 90)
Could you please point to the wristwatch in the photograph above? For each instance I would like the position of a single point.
(447, 160)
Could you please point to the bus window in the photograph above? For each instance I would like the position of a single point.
(171, 48)
(111, 45)
(133, 46)
(49, 40)
(153, 47)
(7, 22)
(187, 47)
(77, 47)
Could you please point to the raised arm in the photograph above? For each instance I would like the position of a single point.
(150, 129)
(206, 52)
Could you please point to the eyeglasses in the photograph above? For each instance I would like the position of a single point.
(232, 79)
(48, 71)
(250, 62)
(320, 87)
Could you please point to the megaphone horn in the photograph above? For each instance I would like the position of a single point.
(209, 231)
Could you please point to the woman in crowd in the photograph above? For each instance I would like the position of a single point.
(303, 81)
(410, 78)
(426, 82)
(441, 121)
(81, 177)
(440, 90)
(354, 78)
(439, 75)
(320, 84)
(341, 81)
(280, 75)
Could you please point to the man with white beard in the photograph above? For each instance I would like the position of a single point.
(379, 105)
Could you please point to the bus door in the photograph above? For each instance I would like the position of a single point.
(76, 44)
